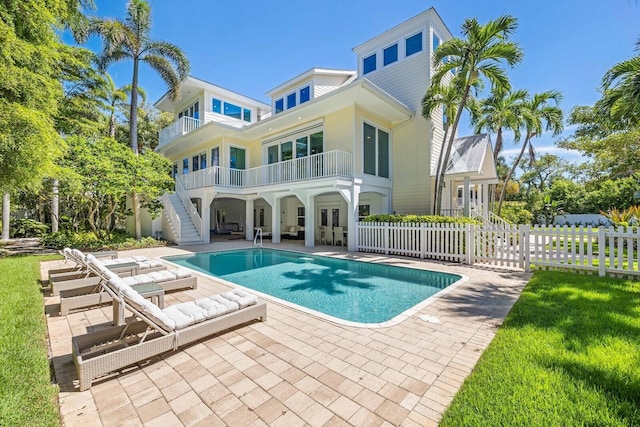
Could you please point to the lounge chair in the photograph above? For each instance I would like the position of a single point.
(98, 353)
(83, 277)
(95, 294)
(76, 262)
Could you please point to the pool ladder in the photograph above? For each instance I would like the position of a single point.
(257, 242)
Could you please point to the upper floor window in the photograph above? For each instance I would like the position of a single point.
(376, 151)
(199, 161)
(279, 105)
(390, 55)
(215, 156)
(231, 110)
(295, 146)
(413, 44)
(185, 166)
(291, 100)
(192, 111)
(369, 64)
(436, 42)
(305, 94)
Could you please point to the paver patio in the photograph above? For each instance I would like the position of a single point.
(294, 369)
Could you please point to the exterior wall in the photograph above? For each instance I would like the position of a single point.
(325, 84)
(338, 131)
(362, 116)
(412, 186)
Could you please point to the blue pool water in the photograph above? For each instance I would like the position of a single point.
(355, 291)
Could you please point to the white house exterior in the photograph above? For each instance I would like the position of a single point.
(332, 146)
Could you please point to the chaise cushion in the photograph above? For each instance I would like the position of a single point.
(240, 297)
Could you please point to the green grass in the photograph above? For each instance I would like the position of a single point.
(27, 397)
(568, 354)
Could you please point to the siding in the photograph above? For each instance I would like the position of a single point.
(325, 84)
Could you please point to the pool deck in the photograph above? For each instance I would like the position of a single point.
(294, 369)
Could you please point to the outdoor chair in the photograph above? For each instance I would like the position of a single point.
(82, 277)
(95, 294)
(158, 330)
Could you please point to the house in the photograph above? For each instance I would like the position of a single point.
(331, 147)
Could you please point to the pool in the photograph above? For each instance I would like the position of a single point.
(345, 291)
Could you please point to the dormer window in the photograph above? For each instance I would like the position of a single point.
(230, 110)
(291, 100)
(413, 44)
(369, 64)
(279, 105)
(305, 94)
(216, 106)
(436, 42)
(390, 55)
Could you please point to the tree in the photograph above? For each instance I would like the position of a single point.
(473, 59)
(500, 111)
(621, 86)
(539, 114)
(130, 40)
(31, 58)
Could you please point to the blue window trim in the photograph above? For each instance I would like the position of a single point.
(409, 48)
(369, 64)
(307, 94)
(279, 105)
(291, 100)
(390, 55)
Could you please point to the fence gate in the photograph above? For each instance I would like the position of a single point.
(504, 245)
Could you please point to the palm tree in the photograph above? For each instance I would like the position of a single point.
(540, 113)
(115, 99)
(130, 39)
(473, 59)
(621, 86)
(500, 111)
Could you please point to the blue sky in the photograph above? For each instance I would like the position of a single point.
(252, 46)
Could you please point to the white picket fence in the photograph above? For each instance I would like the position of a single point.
(604, 250)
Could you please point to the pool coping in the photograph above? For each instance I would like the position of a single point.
(396, 320)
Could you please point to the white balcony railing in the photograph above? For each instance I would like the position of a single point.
(332, 163)
(180, 127)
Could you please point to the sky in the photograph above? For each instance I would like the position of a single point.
(253, 46)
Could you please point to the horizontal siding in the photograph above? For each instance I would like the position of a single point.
(325, 84)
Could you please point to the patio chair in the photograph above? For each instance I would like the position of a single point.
(76, 264)
(158, 330)
(338, 235)
(94, 294)
(129, 266)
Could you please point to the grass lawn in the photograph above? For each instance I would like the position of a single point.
(568, 354)
(27, 397)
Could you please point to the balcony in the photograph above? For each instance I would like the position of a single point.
(180, 127)
(323, 165)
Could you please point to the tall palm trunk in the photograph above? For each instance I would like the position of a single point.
(55, 199)
(503, 191)
(133, 116)
(6, 206)
(443, 170)
(439, 168)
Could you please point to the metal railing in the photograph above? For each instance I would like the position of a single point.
(178, 128)
(331, 163)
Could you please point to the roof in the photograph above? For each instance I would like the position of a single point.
(310, 73)
(468, 154)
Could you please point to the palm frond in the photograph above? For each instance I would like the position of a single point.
(167, 73)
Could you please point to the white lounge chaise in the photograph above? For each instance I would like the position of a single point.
(158, 330)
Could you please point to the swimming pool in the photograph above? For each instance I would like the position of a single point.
(341, 290)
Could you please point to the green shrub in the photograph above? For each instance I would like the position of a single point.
(515, 213)
(87, 241)
(23, 227)
(433, 219)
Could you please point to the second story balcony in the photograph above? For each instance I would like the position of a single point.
(180, 127)
(323, 165)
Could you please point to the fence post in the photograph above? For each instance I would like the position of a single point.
(386, 238)
(602, 242)
(423, 240)
(470, 244)
(525, 255)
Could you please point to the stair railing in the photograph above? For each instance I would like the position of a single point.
(255, 239)
(188, 205)
(172, 214)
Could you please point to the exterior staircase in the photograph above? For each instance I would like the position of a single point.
(183, 229)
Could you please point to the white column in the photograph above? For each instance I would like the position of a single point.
(276, 214)
(249, 220)
(309, 221)
(485, 200)
(352, 217)
(466, 195)
(205, 208)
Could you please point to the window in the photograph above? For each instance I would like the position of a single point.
(237, 158)
(185, 166)
(191, 111)
(302, 147)
(216, 105)
(291, 100)
(413, 44)
(324, 217)
(215, 156)
(174, 171)
(363, 211)
(199, 161)
(305, 94)
(369, 64)
(286, 151)
(232, 110)
(316, 143)
(436, 41)
(279, 105)
(376, 151)
(335, 217)
(390, 55)
(195, 164)
(301, 217)
(272, 154)
(246, 115)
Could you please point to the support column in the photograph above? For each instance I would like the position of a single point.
(309, 221)
(352, 218)
(485, 200)
(276, 214)
(249, 220)
(466, 195)
(205, 208)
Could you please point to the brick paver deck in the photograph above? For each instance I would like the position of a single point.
(294, 369)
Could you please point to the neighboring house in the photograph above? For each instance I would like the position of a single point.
(333, 147)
